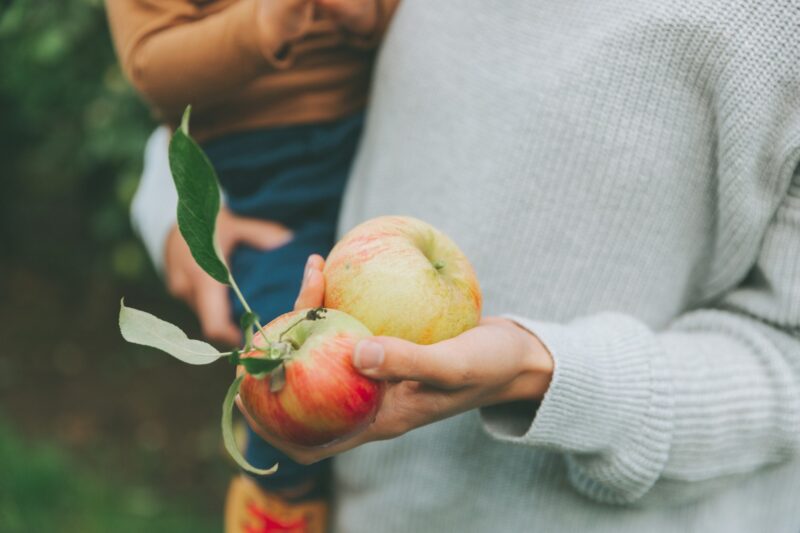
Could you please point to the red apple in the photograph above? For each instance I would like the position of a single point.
(404, 278)
(323, 398)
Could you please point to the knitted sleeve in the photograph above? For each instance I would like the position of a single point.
(716, 393)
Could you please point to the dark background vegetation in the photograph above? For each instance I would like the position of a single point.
(95, 435)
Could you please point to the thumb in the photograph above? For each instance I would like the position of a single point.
(258, 234)
(214, 312)
(389, 358)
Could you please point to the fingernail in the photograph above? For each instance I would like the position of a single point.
(369, 355)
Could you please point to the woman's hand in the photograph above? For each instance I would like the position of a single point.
(495, 362)
(206, 296)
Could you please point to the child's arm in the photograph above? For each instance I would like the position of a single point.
(174, 55)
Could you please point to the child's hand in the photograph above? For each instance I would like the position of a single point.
(207, 297)
(357, 16)
(291, 18)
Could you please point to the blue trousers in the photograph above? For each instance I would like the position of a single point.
(295, 176)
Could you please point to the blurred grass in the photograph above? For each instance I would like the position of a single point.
(41, 489)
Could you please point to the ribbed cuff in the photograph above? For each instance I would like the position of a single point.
(608, 407)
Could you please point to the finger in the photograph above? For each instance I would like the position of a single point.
(302, 454)
(389, 358)
(213, 309)
(312, 291)
(316, 262)
(177, 283)
(329, 5)
(405, 406)
(338, 9)
(260, 234)
(176, 254)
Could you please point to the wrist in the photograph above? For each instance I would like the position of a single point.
(535, 367)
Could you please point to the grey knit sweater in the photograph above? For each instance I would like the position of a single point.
(622, 174)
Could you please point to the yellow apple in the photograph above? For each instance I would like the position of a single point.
(402, 277)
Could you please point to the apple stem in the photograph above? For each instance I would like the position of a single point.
(439, 264)
(290, 328)
(313, 314)
(246, 306)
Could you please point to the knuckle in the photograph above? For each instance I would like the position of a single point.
(212, 331)
(416, 362)
(449, 372)
(462, 376)
(176, 286)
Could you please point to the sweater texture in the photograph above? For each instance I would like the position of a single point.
(623, 177)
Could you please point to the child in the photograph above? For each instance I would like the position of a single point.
(277, 89)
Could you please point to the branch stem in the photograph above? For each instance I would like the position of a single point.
(246, 306)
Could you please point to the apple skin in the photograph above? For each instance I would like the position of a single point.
(324, 398)
(402, 277)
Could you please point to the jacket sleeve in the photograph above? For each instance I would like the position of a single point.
(716, 393)
(175, 55)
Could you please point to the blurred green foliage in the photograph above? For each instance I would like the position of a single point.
(71, 138)
(107, 446)
(41, 490)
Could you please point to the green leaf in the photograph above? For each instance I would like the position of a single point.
(227, 432)
(198, 200)
(259, 367)
(143, 328)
